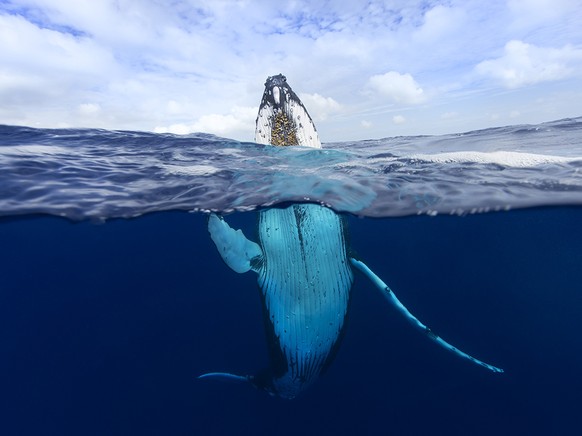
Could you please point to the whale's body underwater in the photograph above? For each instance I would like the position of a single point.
(303, 263)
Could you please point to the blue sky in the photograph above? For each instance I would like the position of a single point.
(364, 69)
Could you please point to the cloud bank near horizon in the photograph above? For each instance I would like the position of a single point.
(363, 69)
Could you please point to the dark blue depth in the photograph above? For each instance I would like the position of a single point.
(104, 328)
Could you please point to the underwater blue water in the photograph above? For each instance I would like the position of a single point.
(113, 297)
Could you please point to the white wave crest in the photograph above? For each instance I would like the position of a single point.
(505, 158)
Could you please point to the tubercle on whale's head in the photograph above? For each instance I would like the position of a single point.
(283, 119)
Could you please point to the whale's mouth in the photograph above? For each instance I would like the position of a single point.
(282, 118)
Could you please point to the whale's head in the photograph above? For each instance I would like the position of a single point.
(282, 119)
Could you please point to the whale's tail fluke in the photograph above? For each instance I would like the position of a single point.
(262, 381)
(226, 377)
(387, 292)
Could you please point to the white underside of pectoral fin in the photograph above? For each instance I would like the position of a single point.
(236, 250)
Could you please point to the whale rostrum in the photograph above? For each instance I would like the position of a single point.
(304, 266)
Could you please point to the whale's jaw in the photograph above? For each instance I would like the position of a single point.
(305, 285)
(282, 118)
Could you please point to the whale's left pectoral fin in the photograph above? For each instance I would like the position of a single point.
(387, 292)
(236, 250)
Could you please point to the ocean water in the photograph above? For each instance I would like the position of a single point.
(113, 298)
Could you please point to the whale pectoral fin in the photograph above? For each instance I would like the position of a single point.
(387, 292)
(236, 250)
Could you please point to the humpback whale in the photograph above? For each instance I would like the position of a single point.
(304, 266)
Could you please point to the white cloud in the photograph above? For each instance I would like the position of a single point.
(39, 64)
(400, 88)
(525, 64)
(320, 107)
(240, 121)
(535, 13)
(449, 115)
(89, 109)
(398, 119)
(441, 22)
(128, 64)
(27, 45)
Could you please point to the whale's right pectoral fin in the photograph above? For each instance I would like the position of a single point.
(391, 297)
(236, 250)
